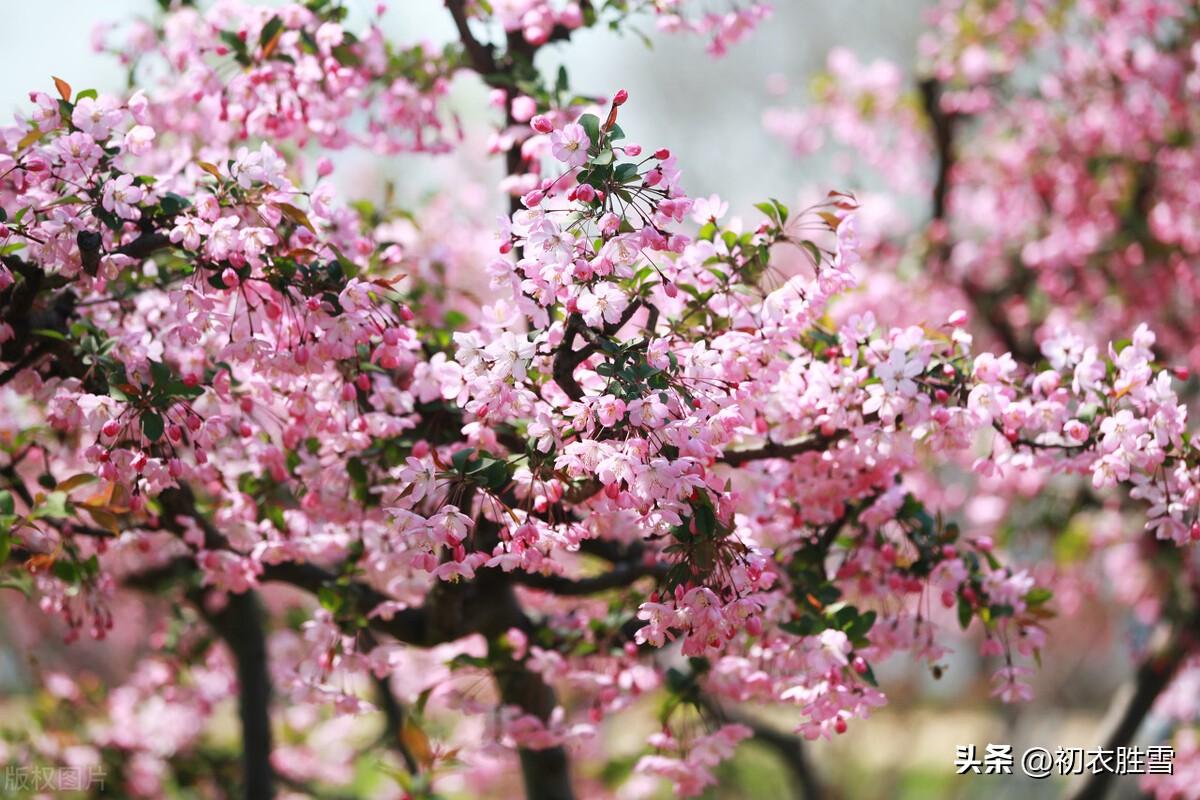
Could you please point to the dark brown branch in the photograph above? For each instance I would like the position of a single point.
(566, 359)
(789, 748)
(546, 772)
(27, 360)
(1134, 702)
(480, 56)
(619, 576)
(240, 624)
(988, 304)
(145, 245)
(943, 125)
(815, 444)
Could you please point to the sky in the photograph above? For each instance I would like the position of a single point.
(708, 113)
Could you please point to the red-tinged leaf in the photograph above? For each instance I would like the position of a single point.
(64, 88)
(211, 169)
(101, 499)
(105, 519)
(29, 139)
(832, 220)
(295, 215)
(416, 743)
(74, 482)
(39, 563)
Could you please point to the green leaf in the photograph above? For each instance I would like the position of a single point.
(1038, 595)
(769, 210)
(591, 126)
(625, 173)
(152, 426)
(160, 373)
(21, 583)
(235, 43)
(329, 598)
(604, 158)
(461, 458)
(273, 26)
(66, 570)
(964, 613)
(7, 506)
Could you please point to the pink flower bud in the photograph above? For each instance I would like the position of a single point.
(586, 193)
(541, 123)
(533, 198)
(571, 16)
(959, 318)
(111, 428)
(662, 154)
(229, 277)
(620, 97)
(324, 167)
(348, 392)
(633, 150)
(523, 108)
(1075, 430)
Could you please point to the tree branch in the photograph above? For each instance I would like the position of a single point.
(1134, 701)
(813, 444)
(240, 624)
(620, 575)
(480, 55)
(789, 748)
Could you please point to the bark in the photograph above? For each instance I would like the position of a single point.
(240, 624)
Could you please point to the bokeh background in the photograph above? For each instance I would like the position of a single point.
(710, 115)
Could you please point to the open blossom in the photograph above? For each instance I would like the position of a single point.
(602, 304)
(139, 139)
(97, 116)
(188, 232)
(121, 196)
(570, 144)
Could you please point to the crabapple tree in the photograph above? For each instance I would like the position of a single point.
(493, 483)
